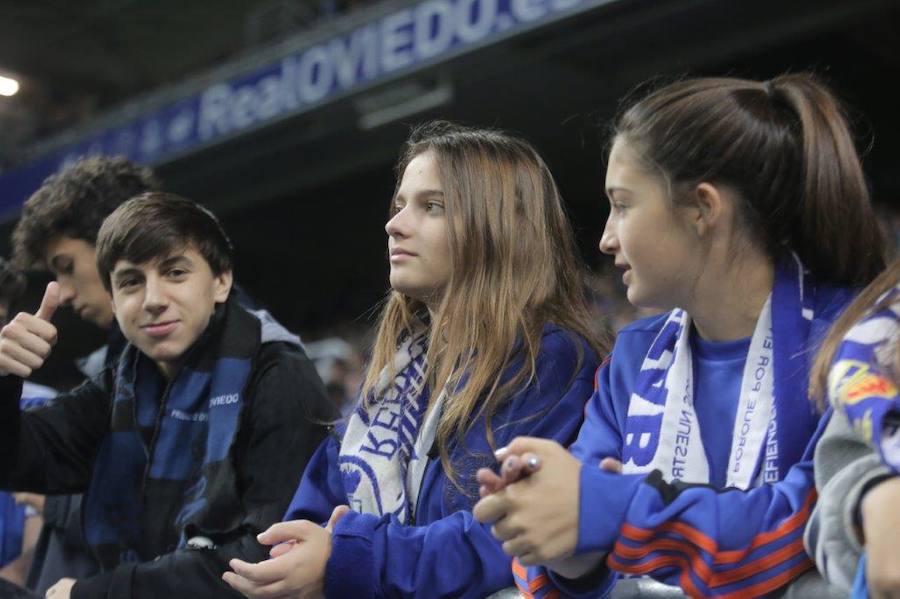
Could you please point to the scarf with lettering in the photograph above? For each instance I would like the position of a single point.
(661, 428)
(860, 382)
(163, 471)
(385, 447)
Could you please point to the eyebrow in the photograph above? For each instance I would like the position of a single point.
(424, 193)
(610, 190)
(176, 260)
(167, 263)
(125, 271)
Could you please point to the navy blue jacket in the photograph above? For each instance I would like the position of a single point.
(446, 553)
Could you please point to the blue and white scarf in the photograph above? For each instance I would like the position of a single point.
(859, 381)
(164, 465)
(385, 447)
(661, 428)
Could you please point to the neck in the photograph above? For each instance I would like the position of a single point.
(728, 306)
(167, 370)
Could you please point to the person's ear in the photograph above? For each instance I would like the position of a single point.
(222, 286)
(710, 206)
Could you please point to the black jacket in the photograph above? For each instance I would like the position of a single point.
(52, 450)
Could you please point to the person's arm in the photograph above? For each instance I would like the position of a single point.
(707, 541)
(845, 467)
(50, 449)
(284, 425)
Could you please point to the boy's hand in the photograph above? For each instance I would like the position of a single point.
(28, 339)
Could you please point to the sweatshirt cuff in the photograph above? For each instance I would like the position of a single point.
(604, 498)
(597, 583)
(350, 570)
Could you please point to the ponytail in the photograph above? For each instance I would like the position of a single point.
(836, 233)
(785, 147)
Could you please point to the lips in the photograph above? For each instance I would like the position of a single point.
(160, 329)
(399, 254)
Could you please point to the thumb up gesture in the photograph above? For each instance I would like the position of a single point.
(28, 339)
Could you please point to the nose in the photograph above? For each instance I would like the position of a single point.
(398, 225)
(66, 291)
(609, 243)
(155, 300)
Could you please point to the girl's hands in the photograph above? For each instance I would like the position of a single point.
(297, 566)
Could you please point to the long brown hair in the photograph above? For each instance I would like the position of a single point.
(784, 145)
(865, 302)
(514, 268)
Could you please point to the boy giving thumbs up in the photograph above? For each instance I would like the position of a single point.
(194, 441)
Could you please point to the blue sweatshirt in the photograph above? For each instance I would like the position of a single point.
(446, 553)
(707, 540)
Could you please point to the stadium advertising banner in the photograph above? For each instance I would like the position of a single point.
(393, 45)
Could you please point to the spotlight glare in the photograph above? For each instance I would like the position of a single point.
(8, 86)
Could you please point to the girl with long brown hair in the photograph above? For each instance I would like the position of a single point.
(486, 336)
(740, 207)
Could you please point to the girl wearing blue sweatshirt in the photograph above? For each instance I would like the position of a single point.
(740, 207)
(485, 337)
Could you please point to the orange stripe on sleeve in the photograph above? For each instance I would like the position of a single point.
(699, 566)
(791, 524)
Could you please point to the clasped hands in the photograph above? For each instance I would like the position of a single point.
(533, 505)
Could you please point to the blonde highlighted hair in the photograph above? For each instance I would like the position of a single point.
(514, 268)
(865, 303)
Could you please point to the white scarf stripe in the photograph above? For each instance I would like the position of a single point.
(385, 448)
(680, 454)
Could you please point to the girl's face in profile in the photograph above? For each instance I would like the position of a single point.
(648, 236)
(418, 245)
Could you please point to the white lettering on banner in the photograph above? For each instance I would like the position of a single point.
(214, 118)
(242, 109)
(475, 19)
(399, 40)
(433, 29)
(315, 75)
(356, 57)
(269, 97)
(287, 84)
(392, 43)
(527, 10)
(396, 43)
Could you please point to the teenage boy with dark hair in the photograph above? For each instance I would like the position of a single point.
(195, 441)
(58, 227)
